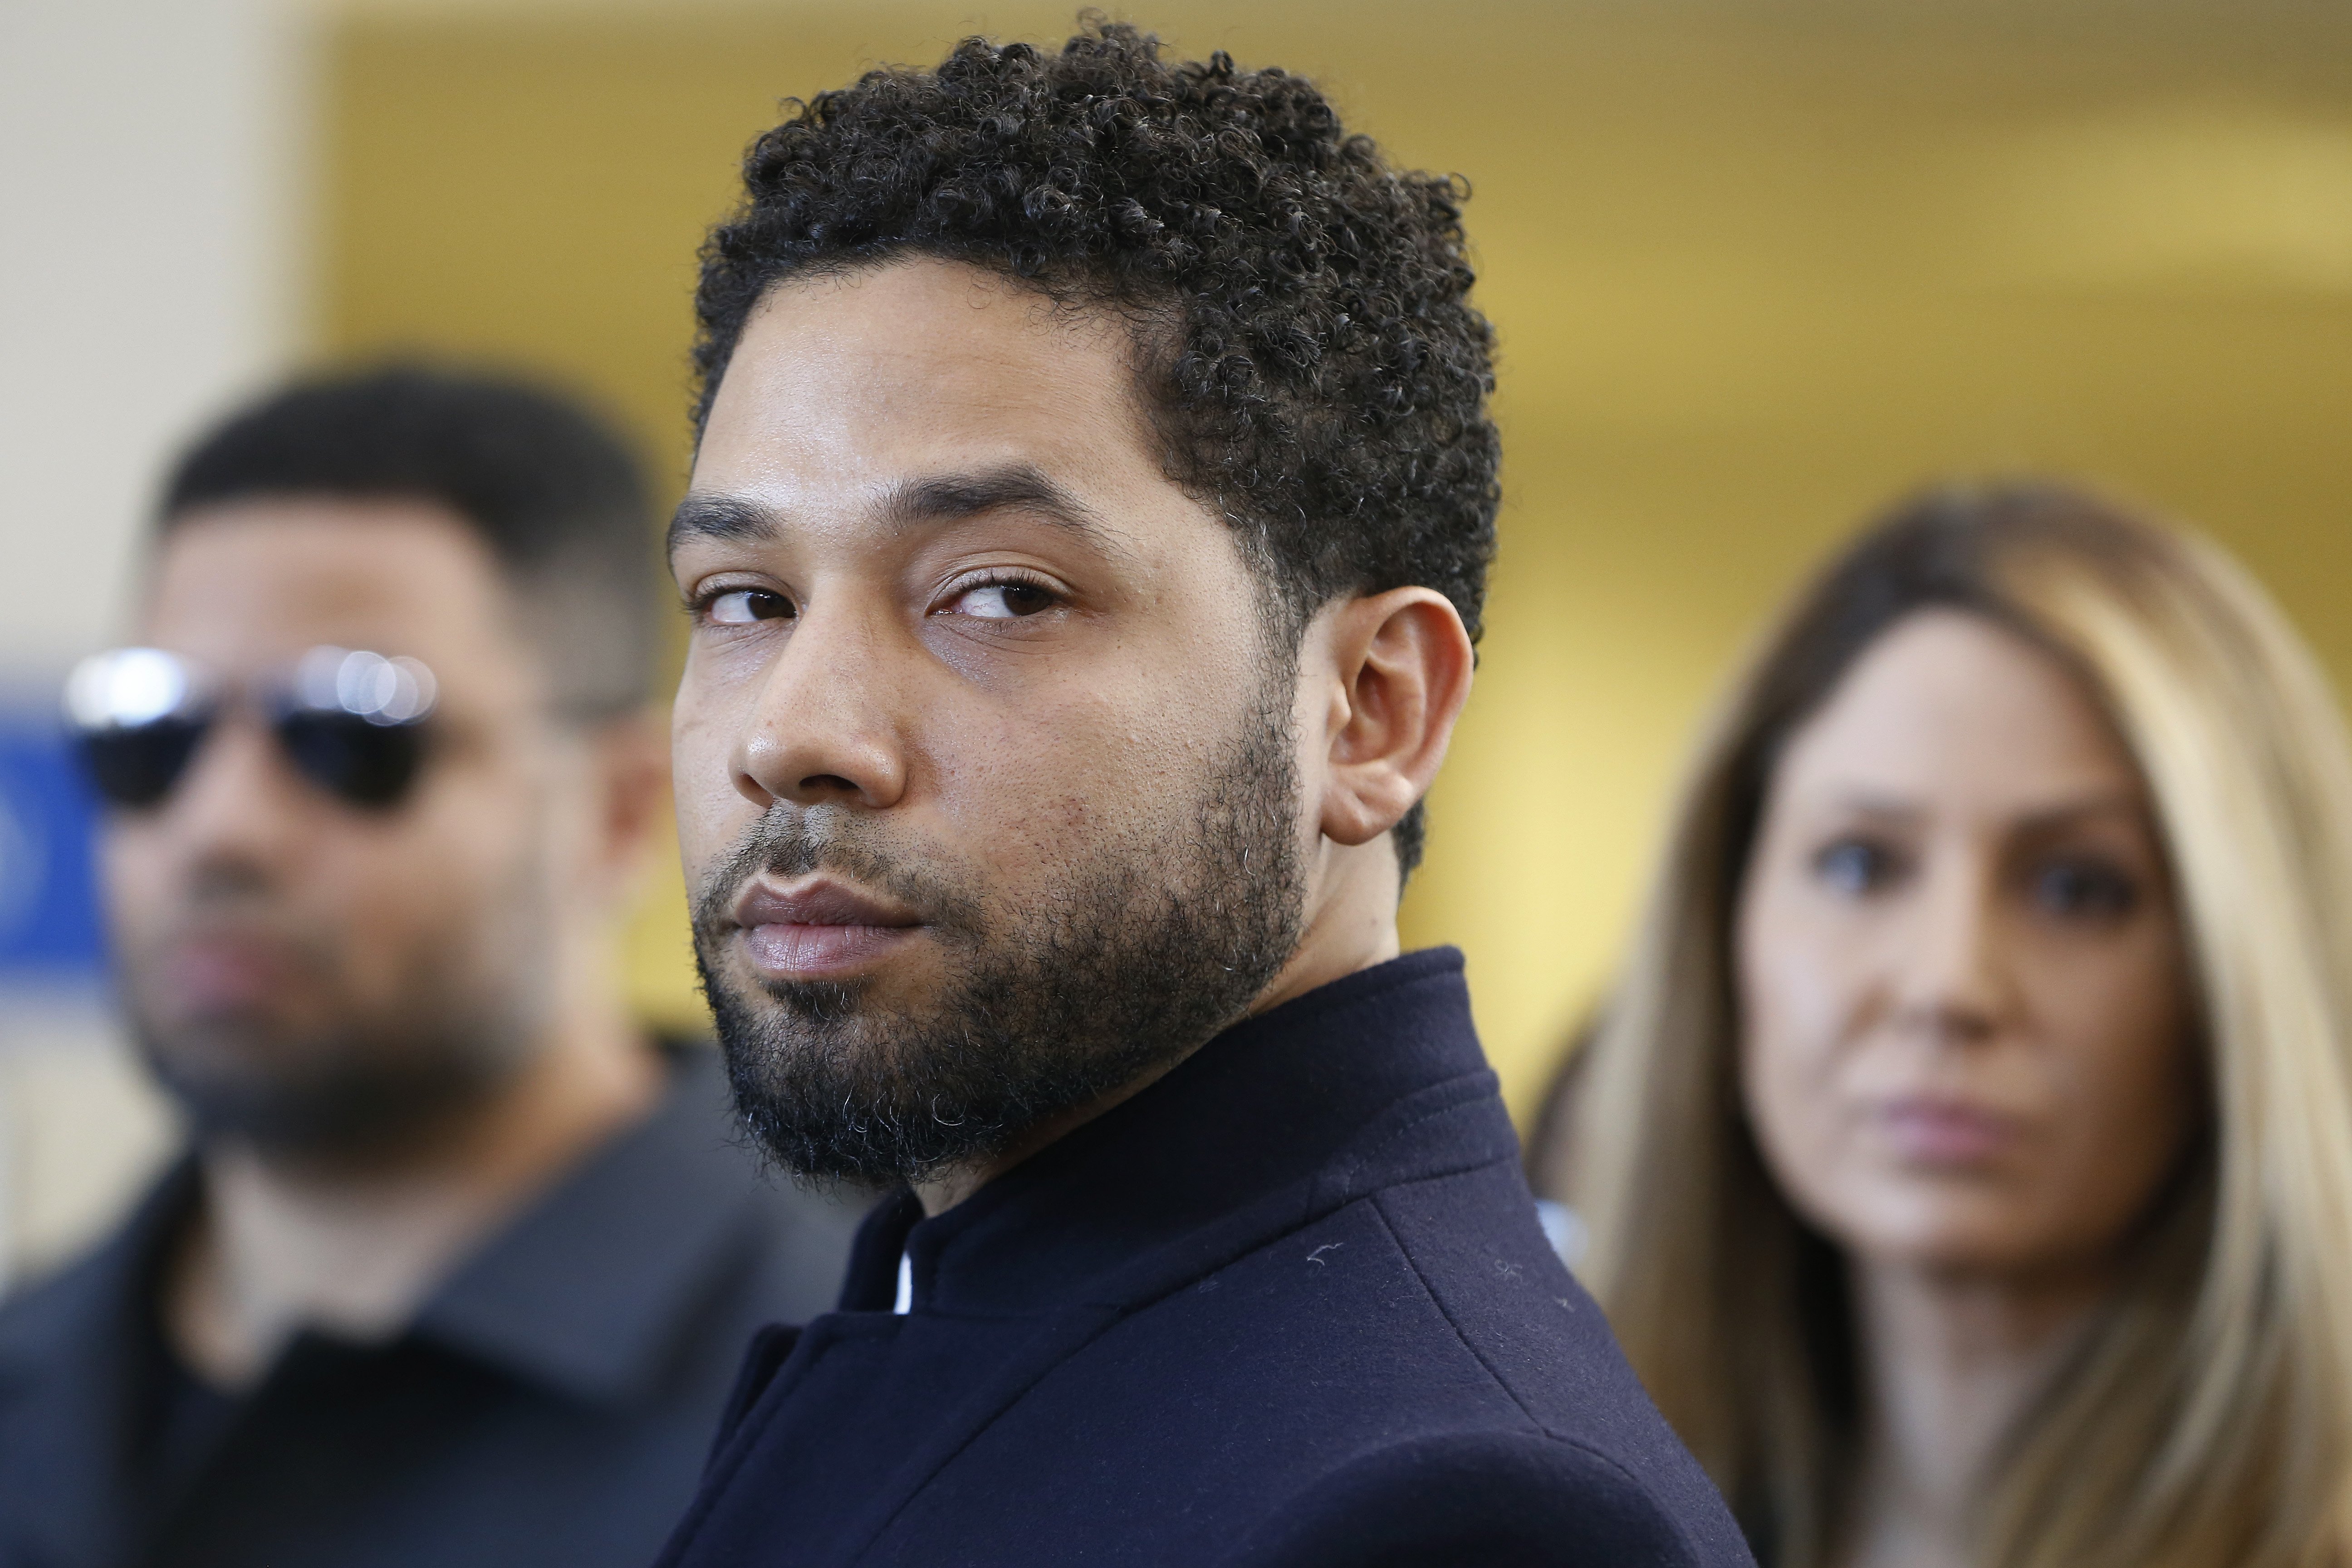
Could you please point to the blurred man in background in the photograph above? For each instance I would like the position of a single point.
(460, 1264)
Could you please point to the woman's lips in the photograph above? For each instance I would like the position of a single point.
(818, 929)
(1928, 1131)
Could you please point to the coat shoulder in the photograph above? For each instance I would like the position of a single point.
(59, 1310)
(1474, 1245)
(1416, 1367)
(1500, 1499)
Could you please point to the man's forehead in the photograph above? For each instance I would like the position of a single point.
(244, 582)
(876, 378)
(910, 506)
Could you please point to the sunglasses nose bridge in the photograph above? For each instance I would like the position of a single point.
(231, 785)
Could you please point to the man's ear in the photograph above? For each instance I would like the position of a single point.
(629, 756)
(1402, 663)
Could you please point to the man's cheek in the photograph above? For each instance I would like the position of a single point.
(706, 720)
(1028, 795)
(711, 811)
(132, 865)
(710, 822)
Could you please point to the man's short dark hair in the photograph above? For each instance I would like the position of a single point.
(553, 492)
(1310, 359)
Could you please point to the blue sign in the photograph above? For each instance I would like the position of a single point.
(49, 926)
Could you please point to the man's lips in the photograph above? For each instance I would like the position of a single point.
(209, 974)
(818, 929)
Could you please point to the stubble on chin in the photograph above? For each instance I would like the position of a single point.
(337, 1072)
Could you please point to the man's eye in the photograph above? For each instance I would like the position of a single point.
(742, 607)
(1856, 867)
(1003, 601)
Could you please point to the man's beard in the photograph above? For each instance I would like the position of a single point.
(358, 1094)
(1121, 965)
(351, 1081)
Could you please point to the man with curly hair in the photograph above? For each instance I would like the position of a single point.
(1084, 550)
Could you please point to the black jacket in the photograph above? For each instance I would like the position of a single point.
(553, 1402)
(1290, 1305)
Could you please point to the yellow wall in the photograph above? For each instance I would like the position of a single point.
(1752, 279)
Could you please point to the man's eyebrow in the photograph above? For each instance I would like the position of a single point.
(913, 503)
(708, 516)
(1015, 486)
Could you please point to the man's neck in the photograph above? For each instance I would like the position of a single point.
(1350, 926)
(281, 1243)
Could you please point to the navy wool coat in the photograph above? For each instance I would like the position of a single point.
(1289, 1306)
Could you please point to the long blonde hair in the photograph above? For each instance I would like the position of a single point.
(2207, 1419)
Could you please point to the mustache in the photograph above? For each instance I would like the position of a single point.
(227, 897)
(790, 841)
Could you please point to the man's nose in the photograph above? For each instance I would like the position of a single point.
(239, 801)
(826, 727)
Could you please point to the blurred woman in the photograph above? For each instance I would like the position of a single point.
(1967, 1157)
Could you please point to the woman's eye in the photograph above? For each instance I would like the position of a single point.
(1003, 601)
(2084, 889)
(1855, 866)
(742, 607)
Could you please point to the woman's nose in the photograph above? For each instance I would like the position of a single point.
(1952, 979)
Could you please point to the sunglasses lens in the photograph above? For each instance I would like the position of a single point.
(135, 765)
(367, 764)
(352, 722)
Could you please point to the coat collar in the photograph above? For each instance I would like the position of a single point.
(1287, 1112)
(589, 1291)
(586, 1292)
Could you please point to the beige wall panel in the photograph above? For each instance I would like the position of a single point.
(1752, 280)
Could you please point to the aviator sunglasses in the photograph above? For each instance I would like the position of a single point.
(349, 722)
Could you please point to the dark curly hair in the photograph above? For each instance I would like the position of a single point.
(1310, 361)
